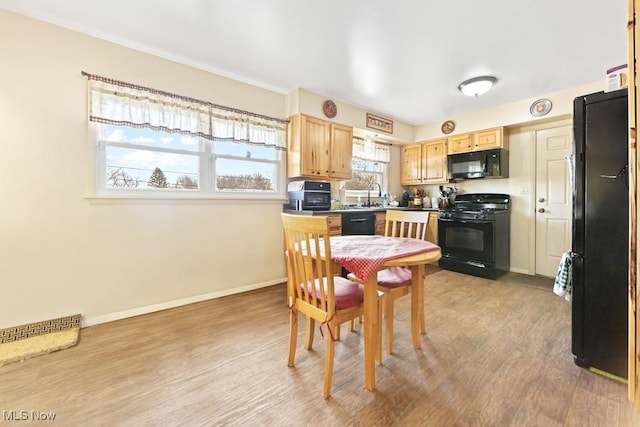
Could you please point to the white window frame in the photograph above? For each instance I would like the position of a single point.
(207, 165)
(384, 185)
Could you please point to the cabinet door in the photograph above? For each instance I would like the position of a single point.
(380, 222)
(335, 224)
(341, 151)
(488, 139)
(315, 147)
(460, 143)
(410, 166)
(432, 227)
(434, 161)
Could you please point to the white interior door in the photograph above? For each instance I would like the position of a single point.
(553, 198)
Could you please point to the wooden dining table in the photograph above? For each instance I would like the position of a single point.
(364, 255)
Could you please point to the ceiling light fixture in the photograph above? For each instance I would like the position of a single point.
(477, 85)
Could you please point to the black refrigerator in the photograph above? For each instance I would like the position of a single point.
(600, 243)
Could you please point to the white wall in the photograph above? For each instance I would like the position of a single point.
(309, 103)
(62, 253)
(513, 114)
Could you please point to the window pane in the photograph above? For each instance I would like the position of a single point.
(151, 138)
(363, 180)
(365, 173)
(245, 150)
(146, 169)
(245, 175)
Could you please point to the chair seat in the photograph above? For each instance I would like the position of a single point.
(347, 293)
(394, 277)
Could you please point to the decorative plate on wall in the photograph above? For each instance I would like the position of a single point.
(329, 109)
(448, 127)
(540, 108)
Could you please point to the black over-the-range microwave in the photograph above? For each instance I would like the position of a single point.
(479, 164)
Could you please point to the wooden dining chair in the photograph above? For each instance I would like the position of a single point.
(314, 291)
(395, 282)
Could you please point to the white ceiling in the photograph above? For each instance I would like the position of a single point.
(402, 59)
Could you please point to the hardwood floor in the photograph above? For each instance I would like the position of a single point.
(496, 353)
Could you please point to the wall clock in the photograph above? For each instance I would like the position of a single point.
(448, 127)
(329, 109)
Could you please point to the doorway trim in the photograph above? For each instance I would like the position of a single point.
(532, 129)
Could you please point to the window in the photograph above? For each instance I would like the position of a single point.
(151, 143)
(366, 173)
(369, 166)
(243, 167)
(145, 161)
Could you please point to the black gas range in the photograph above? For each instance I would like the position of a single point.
(474, 234)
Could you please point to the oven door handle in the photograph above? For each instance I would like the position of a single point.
(466, 221)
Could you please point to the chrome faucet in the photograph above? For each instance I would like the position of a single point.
(369, 193)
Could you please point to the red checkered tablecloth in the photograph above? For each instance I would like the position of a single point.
(364, 255)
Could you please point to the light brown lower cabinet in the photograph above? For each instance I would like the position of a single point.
(380, 222)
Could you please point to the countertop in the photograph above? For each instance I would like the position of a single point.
(356, 210)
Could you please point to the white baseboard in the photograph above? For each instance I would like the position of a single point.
(91, 321)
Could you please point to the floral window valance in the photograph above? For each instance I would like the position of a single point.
(370, 150)
(119, 103)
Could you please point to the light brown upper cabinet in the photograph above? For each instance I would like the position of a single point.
(341, 151)
(461, 143)
(318, 149)
(478, 141)
(411, 164)
(434, 161)
(490, 138)
(424, 163)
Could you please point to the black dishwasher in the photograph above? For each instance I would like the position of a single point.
(357, 223)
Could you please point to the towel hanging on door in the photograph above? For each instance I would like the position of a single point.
(562, 284)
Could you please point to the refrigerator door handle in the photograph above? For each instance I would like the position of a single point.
(623, 172)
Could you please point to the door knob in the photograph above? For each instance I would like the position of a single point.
(541, 199)
(541, 210)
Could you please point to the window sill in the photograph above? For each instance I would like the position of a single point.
(172, 199)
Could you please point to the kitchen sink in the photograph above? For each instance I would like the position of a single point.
(364, 208)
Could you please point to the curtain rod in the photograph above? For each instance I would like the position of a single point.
(177, 96)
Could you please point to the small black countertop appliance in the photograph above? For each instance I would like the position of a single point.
(309, 195)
